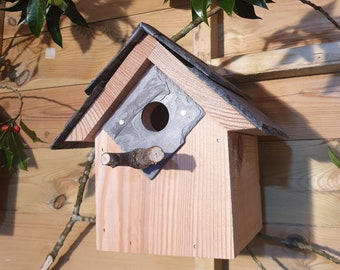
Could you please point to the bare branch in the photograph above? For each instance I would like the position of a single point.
(75, 215)
(139, 158)
(255, 259)
(322, 11)
(193, 24)
(300, 245)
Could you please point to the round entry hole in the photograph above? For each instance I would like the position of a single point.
(155, 116)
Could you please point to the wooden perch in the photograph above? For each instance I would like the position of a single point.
(139, 158)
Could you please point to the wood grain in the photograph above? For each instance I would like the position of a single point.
(301, 178)
(294, 104)
(287, 24)
(282, 63)
(45, 110)
(94, 12)
(116, 89)
(29, 226)
(85, 52)
(182, 212)
(304, 107)
(279, 257)
(199, 91)
(294, 167)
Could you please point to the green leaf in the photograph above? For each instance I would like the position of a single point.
(30, 133)
(59, 3)
(333, 157)
(53, 24)
(36, 14)
(73, 14)
(18, 6)
(199, 7)
(227, 6)
(8, 156)
(17, 148)
(245, 10)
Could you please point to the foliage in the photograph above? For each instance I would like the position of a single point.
(243, 8)
(333, 157)
(36, 12)
(12, 153)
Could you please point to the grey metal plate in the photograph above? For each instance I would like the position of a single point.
(129, 131)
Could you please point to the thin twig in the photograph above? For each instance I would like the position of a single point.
(322, 11)
(75, 215)
(185, 30)
(255, 259)
(300, 245)
(17, 92)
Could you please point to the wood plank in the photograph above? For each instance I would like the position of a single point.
(49, 174)
(282, 63)
(35, 235)
(45, 110)
(275, 256)
(28, 220)
(85, 51)
(305, 26)
(300, 197)
(309, 172)
(296, 109)
(304, 107)
(245, 182)
(116, 89)
(297, 175)
(94, 12)
(200, 92)
(177, 217)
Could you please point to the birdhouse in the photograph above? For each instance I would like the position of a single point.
(202, 199)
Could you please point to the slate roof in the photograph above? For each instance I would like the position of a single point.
(225, 89)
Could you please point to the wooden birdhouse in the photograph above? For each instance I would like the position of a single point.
(203, 199)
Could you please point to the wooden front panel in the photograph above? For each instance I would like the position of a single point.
(184, 211)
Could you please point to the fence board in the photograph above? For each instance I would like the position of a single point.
(286, 171)
(95, 11)
(304, 107)
(287, 24)
(39, 63)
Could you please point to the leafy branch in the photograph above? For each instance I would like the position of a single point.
(38, 12)
(12, 154)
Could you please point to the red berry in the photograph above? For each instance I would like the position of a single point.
(16, 129)
(4, 127)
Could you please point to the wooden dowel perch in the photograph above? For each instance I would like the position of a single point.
(139, 158)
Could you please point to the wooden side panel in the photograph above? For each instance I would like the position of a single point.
(185, 211)
(246, 193)
(300, 195)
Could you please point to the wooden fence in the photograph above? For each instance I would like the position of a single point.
(286, 62)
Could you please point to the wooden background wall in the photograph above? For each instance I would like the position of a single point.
(300, 186)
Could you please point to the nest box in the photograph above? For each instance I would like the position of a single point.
(203, 199)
